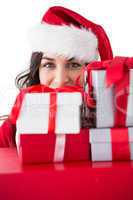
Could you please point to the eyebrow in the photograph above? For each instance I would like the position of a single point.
(47, 58)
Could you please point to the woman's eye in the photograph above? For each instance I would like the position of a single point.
(74, 65)
(49, 65)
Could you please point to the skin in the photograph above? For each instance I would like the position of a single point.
(58, 71)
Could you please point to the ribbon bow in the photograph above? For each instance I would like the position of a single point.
(116, 69)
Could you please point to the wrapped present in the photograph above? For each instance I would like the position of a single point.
(48, 125)
(110, 87)
(44, 148)
(111, 144)
(50, 112)
(43, 109)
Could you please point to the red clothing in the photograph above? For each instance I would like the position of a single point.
(8, 128)
(7, 134)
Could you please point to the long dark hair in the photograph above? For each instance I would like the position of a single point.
(30, 76)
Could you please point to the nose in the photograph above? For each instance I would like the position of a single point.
(61, 77)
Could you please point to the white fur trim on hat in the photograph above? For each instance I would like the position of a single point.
(68, 41)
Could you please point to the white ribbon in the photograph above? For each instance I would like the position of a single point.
(59, 148)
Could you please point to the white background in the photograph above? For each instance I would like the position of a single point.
(17, 17)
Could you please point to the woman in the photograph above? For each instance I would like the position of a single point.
(61, 45)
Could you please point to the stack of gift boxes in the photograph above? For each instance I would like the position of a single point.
(111, 84)
(49, 125)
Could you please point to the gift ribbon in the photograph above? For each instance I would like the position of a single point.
(52, 113)
(120, 144)
(118, 74)
(60, 148)
(115, 69)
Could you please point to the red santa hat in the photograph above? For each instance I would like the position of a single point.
(65, 32)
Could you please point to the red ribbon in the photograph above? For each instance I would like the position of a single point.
(52, 112)
(115, 68)
(120, 144)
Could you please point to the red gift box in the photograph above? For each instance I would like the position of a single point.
(41, 148)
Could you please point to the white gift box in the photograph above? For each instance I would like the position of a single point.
(35, 111)
(104, 100)
(107, 105)
(111, 144)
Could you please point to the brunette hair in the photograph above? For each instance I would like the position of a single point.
(30, 76)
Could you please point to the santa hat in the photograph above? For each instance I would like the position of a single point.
(65, 32)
